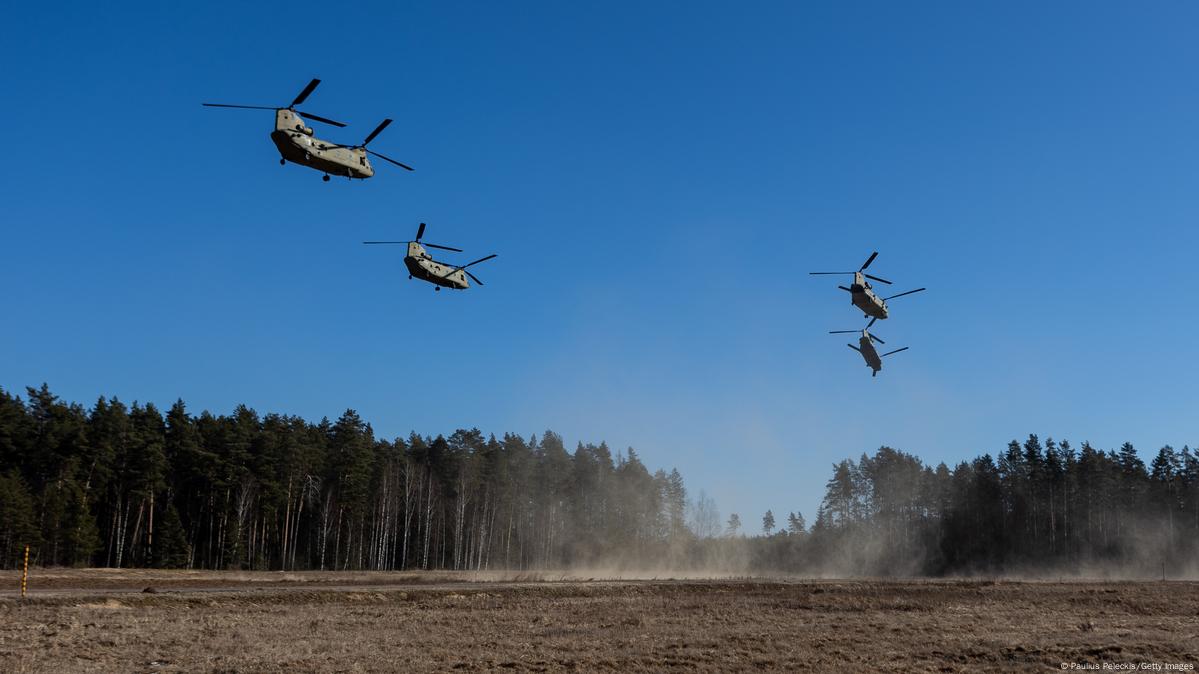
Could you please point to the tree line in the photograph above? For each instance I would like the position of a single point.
(122, 485)
(119, 485)
(1038, 508)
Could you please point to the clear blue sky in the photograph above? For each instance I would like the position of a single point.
(657, 179)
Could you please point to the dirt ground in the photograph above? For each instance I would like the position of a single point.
(103, 621)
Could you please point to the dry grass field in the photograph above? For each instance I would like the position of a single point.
(104, 621)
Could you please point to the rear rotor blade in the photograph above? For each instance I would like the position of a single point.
(433, 245)
(404, 166)
(902, 294)
(482, 259)
(370, 242)
(868, 261)
(474, 278)
(376, 132)
(247, 107)
(880, 280)
(872, 320)
(304, 94)
(854, 348)
(841, 332)
(420, 231)
(872, 337)
(826, 273)
(845, 289)
(891, 352)
(315, 118)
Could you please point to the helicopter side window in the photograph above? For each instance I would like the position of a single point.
(362, 161)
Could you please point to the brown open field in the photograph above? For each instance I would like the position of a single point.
(102, 621)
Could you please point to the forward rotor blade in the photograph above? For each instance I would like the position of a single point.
(420, 231)
(876, 339)
(370, 242)
(433, 245)
(845, 289)
(891, 352)
(854, 348)
(880, 280)
(315, 118)
(826, 273)
(247, 107)
(474, 278)
(471, 264)
(304, 94)
(404, 166)
(377, 131)
(868, 261)
(841, 332)
(902, 294)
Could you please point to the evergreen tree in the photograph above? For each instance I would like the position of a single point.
(795, 523)
(768, 522)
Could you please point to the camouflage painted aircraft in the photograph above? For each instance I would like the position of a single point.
(861, 292)
(440, 274)
(298, 143)
(866, 347)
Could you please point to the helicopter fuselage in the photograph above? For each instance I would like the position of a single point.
(869, 353)
(297, 144)
(862, 296)
(425, 268)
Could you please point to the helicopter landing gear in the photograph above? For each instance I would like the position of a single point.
(325, 178)
(437, 288)
(282, 162)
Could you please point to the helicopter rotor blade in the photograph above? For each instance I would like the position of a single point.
(902, 294)
(868, 261)
(399, 242)
(826, 273)
(854, 348)
(420, 231)
(247, 107)
(482, 259)
(403, 166)
(433, 245)
(880, 280)
(317, 118)
(842, 332)
(377, 131)
(845, 289)
(474, 278)
(876, 339)
(872, 320)
(304, 94)
(891, 352)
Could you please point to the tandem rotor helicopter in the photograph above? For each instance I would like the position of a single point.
(440, 274)
(866, 347)
(298, 144)
(861, 292)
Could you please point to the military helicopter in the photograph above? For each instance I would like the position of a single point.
(866, 347)
(298, 144)
(425, 268)
(861, 292)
